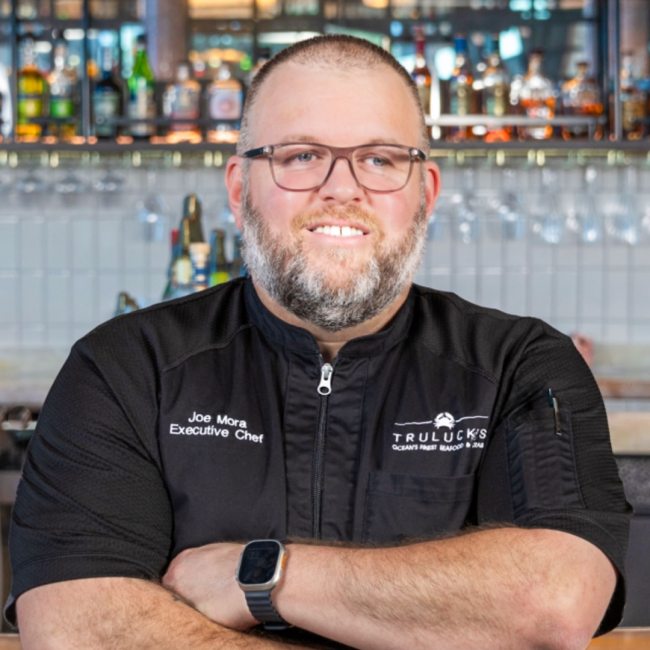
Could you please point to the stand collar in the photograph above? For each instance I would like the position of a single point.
(300, 340)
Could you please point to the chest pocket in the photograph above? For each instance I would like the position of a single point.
(401, 506)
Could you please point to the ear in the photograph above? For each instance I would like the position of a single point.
(431, 185)
(234, 185)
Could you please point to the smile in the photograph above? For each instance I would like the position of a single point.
(339, 231)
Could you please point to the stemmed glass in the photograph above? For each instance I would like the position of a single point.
(624, 224)
(587, 220)
(509, 208)
(467, 224)
(153, 211)
(550, 226)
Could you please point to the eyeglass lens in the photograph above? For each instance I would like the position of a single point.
(305, 166)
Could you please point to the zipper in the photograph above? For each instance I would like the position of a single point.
(324, 389)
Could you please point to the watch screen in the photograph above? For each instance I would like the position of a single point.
(259, 562)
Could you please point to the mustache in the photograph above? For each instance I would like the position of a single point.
(353, 213)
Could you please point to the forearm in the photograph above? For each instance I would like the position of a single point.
(502, 588)
(116, 613)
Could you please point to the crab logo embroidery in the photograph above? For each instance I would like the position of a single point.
(444, 420)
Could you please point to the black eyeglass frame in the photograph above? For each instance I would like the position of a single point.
(415, 155)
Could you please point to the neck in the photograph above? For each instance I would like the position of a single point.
(330, 343)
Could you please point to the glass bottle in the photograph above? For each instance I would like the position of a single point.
(460, 89)
(107, 99)
(142, 103)
(495, 93)
(225, 101)
(171, 278)
(238, 266)
(421, 73)
(63, 92)
(32, 93)
(633, 100)
(181, 100)
(199, 254)
(581, 98)
(219, 271)
(534, 95)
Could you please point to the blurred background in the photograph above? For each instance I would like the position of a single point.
(117, 118)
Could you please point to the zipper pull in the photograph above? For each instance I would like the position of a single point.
(325, 386)
(556, 409)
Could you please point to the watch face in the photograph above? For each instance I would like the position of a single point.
(259, 562)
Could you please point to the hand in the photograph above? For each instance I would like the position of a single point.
(205, 577)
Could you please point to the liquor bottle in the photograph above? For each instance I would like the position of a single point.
(171, 278)
(495, 93)
(421, 73)
(534, 95)
(142, 103)
(460, 89)
(63, 92)
(199, 254)
(107, 99)
(225, 100)
(581, 98)
(219, 271)
(32, 93)
(238, 266)
(192, 210)
(634, 101)
(182, 100)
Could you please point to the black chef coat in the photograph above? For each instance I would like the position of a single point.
(200, 420)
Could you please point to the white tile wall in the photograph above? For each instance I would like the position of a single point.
(63, 259)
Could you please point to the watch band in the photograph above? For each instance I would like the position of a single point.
(261, 607)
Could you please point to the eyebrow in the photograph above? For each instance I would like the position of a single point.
(311, 138)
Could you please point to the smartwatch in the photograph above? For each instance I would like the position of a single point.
(258, 572)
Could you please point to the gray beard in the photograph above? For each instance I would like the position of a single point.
(280, 266)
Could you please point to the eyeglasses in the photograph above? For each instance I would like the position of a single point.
(304, 166)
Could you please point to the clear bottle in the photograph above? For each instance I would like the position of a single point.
(63, 104)
(225, 101)
(107, 98)
(495, 93)
(534, 95)
(634, 101)
(581, 98)
(219, 271)
(32, 93)
(461, 89)
(182, 100)
(421, 73)
(141, 84)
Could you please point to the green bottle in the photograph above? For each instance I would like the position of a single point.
(219, 271)
(142, 103)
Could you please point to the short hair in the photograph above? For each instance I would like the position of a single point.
(337, 51)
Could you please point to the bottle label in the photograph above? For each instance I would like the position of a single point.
(30, 107)
(495, 102)
(142, 105)
(105, 105)
(219, 277)
(225, 104)
(460, 100)
(61, 107)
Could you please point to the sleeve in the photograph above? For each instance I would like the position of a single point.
(555, 469)
(92, 501)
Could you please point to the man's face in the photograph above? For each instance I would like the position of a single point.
(330, 280)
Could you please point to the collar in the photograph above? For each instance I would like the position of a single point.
(300, 340)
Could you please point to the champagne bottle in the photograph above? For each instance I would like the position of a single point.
(219, 271)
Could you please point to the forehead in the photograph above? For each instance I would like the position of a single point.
(336, 107)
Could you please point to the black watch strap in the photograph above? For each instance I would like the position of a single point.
(261, 607)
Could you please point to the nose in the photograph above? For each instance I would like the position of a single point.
(341, 185)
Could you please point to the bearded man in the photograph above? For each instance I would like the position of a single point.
(406, 469)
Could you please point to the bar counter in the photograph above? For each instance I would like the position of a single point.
(621, 639)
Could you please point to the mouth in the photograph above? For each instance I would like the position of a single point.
(342, 230)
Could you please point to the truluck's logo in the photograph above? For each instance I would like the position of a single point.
(428, 436)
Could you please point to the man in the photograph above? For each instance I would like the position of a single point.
(461, 453)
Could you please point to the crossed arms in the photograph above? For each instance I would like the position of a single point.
(496, 588)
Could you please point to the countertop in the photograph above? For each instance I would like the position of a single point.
(621, 639)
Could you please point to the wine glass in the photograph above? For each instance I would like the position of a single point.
(153, 211)
(624, 224)
(550, 226)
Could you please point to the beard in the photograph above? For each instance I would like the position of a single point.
(349, 288)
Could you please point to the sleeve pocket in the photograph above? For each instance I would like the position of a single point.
(401, 506)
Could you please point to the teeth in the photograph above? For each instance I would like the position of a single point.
(338, 231)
